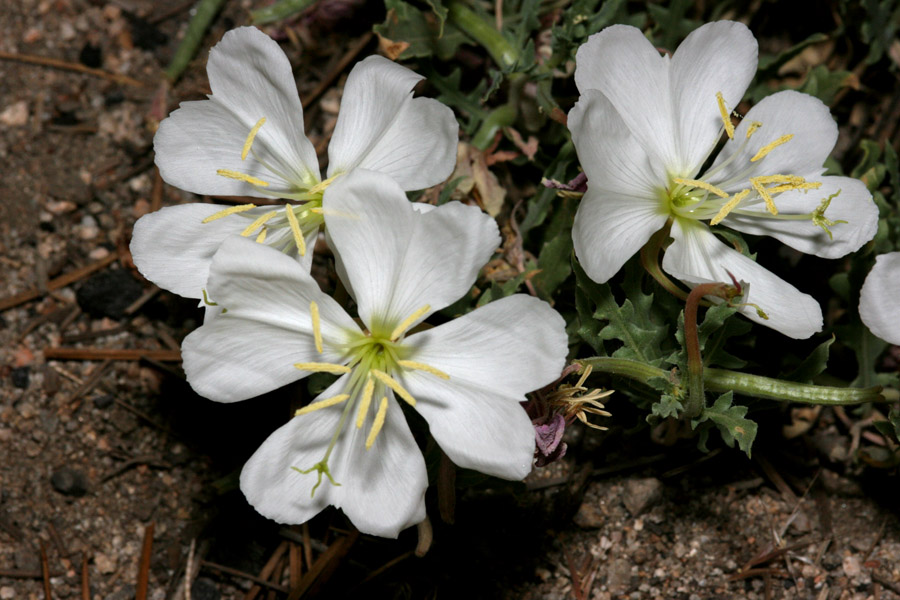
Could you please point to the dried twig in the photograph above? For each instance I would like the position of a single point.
(266, 572)
(320, 571)
(93, 379)
(85, 578)
(56, 63)
(248, 576)
(111, 354)
(56, 283)
(143, 578)
(45, 572)
(333, 74)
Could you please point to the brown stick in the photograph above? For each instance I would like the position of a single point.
(243, 575)
(45, 572)
(85, 578)
(111, 354)
(143, 578)
(92, 380)
(46, 61)
(337, 70)
(267, 569)
(56, 283)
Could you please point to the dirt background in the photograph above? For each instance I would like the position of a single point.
(96, 451)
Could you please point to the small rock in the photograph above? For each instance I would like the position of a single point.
(618, 578)
(20, 376)
(7, 593)
(107, 564)
(104, 401)
(98, 253)
(15, 114)
(852, 566)
(641, 494)
(588, 516)
(69, 482)
(108, 293)
(205, 589)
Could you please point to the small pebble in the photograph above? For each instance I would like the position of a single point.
(107, 564)
(20, 377)
(69, 482)
(7, 593)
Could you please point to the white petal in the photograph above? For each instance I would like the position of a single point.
(251, 348)
(610, 155)
(610, 228)
(622, 64)
(396, 259)
(788, 112)
(879, 298)
(381, 127)
(696, 256)
(717, 57)
(250, 78)
(854, 205)
(382, 490)
(512, 346)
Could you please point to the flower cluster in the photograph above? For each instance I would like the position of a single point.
(351, 446)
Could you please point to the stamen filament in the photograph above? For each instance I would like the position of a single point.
(702, 185)
(394, 385)
(317, 326)
(231, 210)
(318, 367)
(295, 229)
(322, 404)
(242, 177)
(726, 116)
(378, 424)
(729, 206)
(408, 321)
(249, 141)
(364, 402)
(258, 223)
(771, 146)
(408, 364)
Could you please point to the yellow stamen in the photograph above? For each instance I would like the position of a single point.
(408, 364)
(318, 367)
(771, 146)
(320, 187)
(249, 141)
(317, 326)
(764, 194)
(262, 235)
(399, 329)
(364, 402)
(295, 229)
(318, 210)
(242, 177)
(322, 404)
(231, 210)
(792, 182)
(258, 223)
(729, 206)
(702, 185)
(394, 385)
(752, 127)
(809, 185)
(726, 116)
(378, 424)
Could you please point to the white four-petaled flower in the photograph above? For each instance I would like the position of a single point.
(644, 127)
(248, 139)
(879, 298)
(351, 447)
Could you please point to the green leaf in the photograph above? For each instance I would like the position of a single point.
(730, 421)
(440, 11)
(633, 323)
(451, 93)
(813, 364)
(426, 33)
(555, 264)
(879, 27)
(671, 24)
(824, 84)
(668, 405)
(769, 65)
(205, 11)
(715, 329)
(279, 10)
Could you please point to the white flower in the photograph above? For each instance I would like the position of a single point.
(879, 298)
(644, 126)
(351, 447)
(248, 140)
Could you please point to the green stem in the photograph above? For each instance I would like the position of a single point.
(279, 10)
(753, 386)
(206, 11)
(503, 53)
(497, 119)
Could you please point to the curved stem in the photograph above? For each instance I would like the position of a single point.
(483, 32)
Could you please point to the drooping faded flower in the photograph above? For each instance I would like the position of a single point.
(644, 127)
(351, 447)
(248, 139)
(879, 298)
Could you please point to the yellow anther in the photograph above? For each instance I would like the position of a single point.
(378, 424)
(807, 185)
(771, 146)
(317, 326)
(408, 364)
(752, 127)
(262, 235)
(295, 229)
(318, 210)
(726, 116)
(394, 385)
(399, 329)
(364, 402)
(231, 210)
(764, 194)
(703, 186)
(320, 187)
(322, 404)
(318, 367)
(249, 141)
(729, 206)
(258, 223)
(765, 179)
(242, 177)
